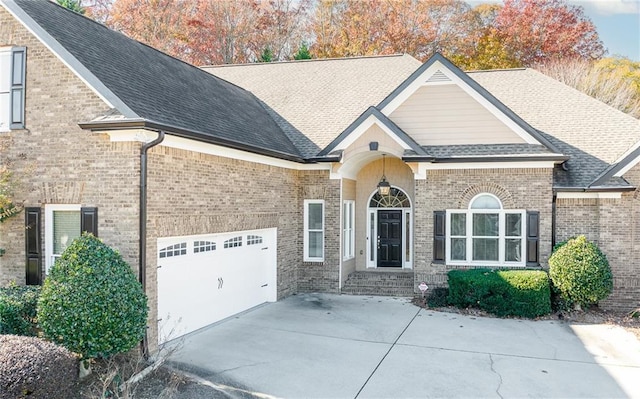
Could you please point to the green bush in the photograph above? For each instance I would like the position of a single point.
(581, 272)
(438, 297)
(18, 309)
(36, 369)
(91, 302)
(523, 293)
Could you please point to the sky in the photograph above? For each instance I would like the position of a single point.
(617, 22)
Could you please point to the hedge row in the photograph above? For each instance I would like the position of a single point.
(524, 293)
(18, 307)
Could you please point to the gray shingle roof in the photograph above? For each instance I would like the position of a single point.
(487, 150)
(593, 134)
(159, 88)
(321, 98)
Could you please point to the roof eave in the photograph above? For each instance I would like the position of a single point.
(188, 134)
(553, 158)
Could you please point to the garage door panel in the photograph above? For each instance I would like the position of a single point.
(214, 277)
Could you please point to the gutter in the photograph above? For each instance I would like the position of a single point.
(142, 262)
(600, 189)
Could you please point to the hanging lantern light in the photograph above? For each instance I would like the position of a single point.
(384, 188)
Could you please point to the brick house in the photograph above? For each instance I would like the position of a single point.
(227, 187)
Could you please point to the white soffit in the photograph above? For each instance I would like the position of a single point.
(439, 74)
(583, 195)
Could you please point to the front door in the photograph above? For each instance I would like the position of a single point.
(389, 238)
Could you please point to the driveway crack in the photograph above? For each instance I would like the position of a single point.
(498, 374)
(386, 354)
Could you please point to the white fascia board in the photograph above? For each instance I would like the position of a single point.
(142, 135)
(71, 62)
(628, 166)
(438, 66)
(363, 127)
(582, 194)
(423, 167)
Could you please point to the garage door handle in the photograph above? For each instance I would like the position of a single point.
(220, 283)
(263, 285)
(265, 248)
(159, 266)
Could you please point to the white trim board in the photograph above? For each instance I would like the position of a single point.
(582, 194)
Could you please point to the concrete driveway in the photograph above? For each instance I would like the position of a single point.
(338, 346)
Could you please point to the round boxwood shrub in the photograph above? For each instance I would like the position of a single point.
(91, 302)
(33, 368)
(580, 272)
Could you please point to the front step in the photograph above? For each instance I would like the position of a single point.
(379, 283)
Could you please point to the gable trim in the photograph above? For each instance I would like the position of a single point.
(372, 116)
(68, 59)
(438, 63)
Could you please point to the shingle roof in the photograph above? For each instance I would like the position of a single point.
(486, 150)
(156, 87)
(321, 98)
(590, 132)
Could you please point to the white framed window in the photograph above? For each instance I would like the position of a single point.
(12, 87)
(62, 226)
(486, 234)
(313, 230)
(348, 230)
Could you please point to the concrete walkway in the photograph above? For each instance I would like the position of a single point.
(333, 346)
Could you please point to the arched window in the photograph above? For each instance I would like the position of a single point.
(486, 234)
(396, 199)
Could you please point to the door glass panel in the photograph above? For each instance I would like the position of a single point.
(485, 224)
(407, 238)
(66, 228)
(372, 237)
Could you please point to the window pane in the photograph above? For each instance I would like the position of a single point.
(458, 224)
(372, 238)
(458, 249)
(66, 228)
(485, 224)
(513, 224)
(315, 216)
(513, 249)
(315, 244)
(485, 249)
(486, 202)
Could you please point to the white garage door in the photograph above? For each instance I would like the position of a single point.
(206, 278)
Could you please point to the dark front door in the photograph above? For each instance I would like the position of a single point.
(389, 238)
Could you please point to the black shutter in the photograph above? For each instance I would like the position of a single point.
(533, 238)
(32, 246)
(89, 220)
(439, 236)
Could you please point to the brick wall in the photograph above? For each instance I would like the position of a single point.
(321, 276)
(56, 162)
(528, 189)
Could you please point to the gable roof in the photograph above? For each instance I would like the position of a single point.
(321, 97)
(593, 134)
(149, 87)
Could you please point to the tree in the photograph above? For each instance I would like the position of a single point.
(535, 31)
(302, 53)
(614, 81)
(266, 56)
(73, 5)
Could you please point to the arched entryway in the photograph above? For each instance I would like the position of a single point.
(389, 230)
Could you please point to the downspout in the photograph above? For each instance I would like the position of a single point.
(553, 220)
(142, 272)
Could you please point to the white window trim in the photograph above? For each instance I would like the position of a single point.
(48, 231)
(308, 258)
(348, 229)
(501, 236)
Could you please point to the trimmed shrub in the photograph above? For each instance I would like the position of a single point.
(523, 293)
(581, 272)
(18, 309)
(91, 302)
(438, 297)
(33, 368)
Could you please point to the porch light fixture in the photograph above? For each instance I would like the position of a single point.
(384, 188)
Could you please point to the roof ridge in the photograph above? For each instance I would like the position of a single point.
(308, 60)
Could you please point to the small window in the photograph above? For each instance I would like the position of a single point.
(313, 230)
(253, 240)
(174, 250)
(203, 246)
(233, 242)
